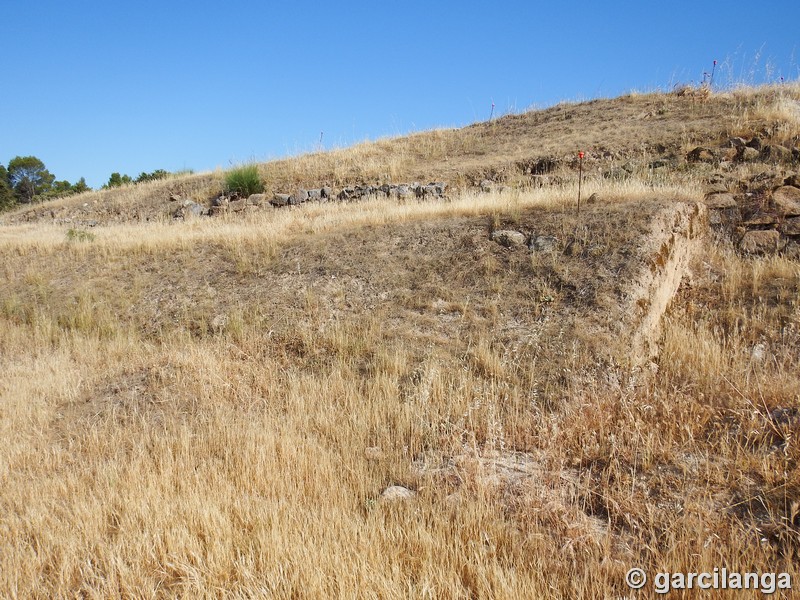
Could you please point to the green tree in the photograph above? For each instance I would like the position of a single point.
(117, 180)
(28, 177)
(61, 188)
(80, 187)
(157, 174)
(7, 199)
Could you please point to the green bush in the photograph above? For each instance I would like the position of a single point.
(79, 235)
(244, 180)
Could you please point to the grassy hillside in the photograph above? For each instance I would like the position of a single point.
(648, 134)
(215, 407)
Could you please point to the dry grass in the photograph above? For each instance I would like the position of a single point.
(631, 130)
(212, 408)
(271, 226)
(773, 111)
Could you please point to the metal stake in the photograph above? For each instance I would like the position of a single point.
(580, 178)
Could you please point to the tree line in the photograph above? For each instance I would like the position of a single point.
(26, 180)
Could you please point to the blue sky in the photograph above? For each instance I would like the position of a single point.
(95, 87)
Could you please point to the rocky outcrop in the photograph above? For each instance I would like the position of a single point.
(760, 212)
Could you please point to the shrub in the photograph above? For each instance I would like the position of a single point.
(79, 235)
(244, 180)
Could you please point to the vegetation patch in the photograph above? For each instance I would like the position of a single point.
(244, 181)
(79, 235)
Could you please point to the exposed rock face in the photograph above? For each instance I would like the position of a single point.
(508, 238)
(256, 199)
(280, 200)
(760, 242)
(787, 201)
(675, 231)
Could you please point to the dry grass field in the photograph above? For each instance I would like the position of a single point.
(213, 407)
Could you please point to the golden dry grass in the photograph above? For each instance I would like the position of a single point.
(631, 130)
(273, 225)
(212, 408)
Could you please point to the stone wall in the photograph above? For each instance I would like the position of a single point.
(233, 203)
(760, 213)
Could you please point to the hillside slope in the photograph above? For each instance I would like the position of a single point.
(647, 136)
(490, 394)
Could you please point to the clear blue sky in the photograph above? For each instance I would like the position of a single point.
(94, 87)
